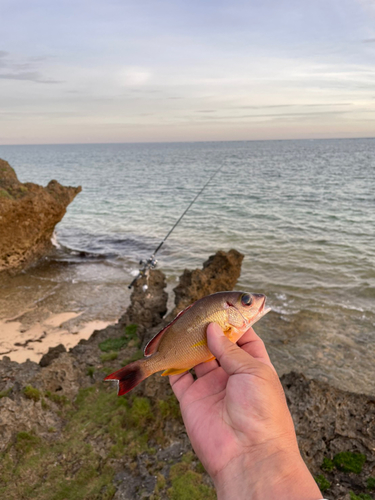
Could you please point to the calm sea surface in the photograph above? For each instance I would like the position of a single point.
(302, 212)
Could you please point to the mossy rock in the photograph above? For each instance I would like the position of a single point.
(327, 465)
(56, 398)
(188, 484)
(32, 393)
(6, 393)
(370, 483)
(108, 356)
(322, 482)
(99, 428)
(26, 441)
(118, 343)
(361, 496)
(4, 194)
(347, 461)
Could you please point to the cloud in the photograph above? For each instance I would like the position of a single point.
(135, 76)
(24, 70)
(267, 106)
(369, 40)
(31, 76)
(314, 114)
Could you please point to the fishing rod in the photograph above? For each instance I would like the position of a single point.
(151, 262)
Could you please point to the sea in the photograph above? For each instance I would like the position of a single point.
(302, 212)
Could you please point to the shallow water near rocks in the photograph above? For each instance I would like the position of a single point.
(302, 212)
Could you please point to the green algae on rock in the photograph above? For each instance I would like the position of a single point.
(347, 461)
(322, 482)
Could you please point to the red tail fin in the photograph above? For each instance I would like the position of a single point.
(128, 377)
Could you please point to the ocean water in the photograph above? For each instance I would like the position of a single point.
(302, 212)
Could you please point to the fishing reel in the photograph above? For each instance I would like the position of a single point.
(148, 264)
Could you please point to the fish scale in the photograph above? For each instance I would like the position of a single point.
(182, 344)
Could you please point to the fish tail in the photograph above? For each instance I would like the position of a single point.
(129, 376)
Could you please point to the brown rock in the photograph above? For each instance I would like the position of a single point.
(220, 273)
(28, 216)
(53, 353)
(61, 377)
(147, 306)
(24, 415)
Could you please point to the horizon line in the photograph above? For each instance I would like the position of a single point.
(186, 142)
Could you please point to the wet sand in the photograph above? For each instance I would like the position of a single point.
(21, 342)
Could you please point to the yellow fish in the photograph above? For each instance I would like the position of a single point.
(182, 344)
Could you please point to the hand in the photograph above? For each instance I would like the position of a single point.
(239, 424)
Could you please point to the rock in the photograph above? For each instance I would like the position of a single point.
(53, 353)
(220, 273)
(147, 306)
(130, 486)
(127, 485)
(14, 376)
(28, 216)
(173, 451)
(24, 415)
(329, 421)
(61, 376)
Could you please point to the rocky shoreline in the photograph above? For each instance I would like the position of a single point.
(28, 216)
(63, 430)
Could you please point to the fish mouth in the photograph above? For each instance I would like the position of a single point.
(264, 310)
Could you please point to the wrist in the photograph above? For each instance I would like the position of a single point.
(281, 475)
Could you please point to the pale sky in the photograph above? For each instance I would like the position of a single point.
(81, 71)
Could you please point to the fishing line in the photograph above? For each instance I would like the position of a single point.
(151, 262)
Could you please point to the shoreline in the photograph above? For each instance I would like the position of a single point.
(43, 400)
(61, 411)
(21, 342)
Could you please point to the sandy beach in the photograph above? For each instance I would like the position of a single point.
(21, 342)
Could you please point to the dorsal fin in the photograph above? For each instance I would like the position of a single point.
(152, 345)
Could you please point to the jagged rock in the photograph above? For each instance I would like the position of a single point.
(24, 415)
(14, 376)
(61, 376)
(329, 421)
(53, 353)
(28, 216)
(220, 272)
(147, 306)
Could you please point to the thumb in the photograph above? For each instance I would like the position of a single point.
(231, 357)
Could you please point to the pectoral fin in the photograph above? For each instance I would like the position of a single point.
(174, 371)
(232, 333)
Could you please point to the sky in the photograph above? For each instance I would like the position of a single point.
(89, 71)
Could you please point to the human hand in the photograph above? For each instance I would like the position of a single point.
(239, 424)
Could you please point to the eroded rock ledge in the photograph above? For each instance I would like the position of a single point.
(28, 216)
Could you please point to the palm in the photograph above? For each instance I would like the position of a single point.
(223, 414)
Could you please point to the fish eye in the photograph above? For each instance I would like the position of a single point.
(246, 299)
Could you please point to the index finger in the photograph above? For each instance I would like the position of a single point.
(181, 383)
(254, 345)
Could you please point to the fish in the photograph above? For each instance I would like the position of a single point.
(182, 344)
